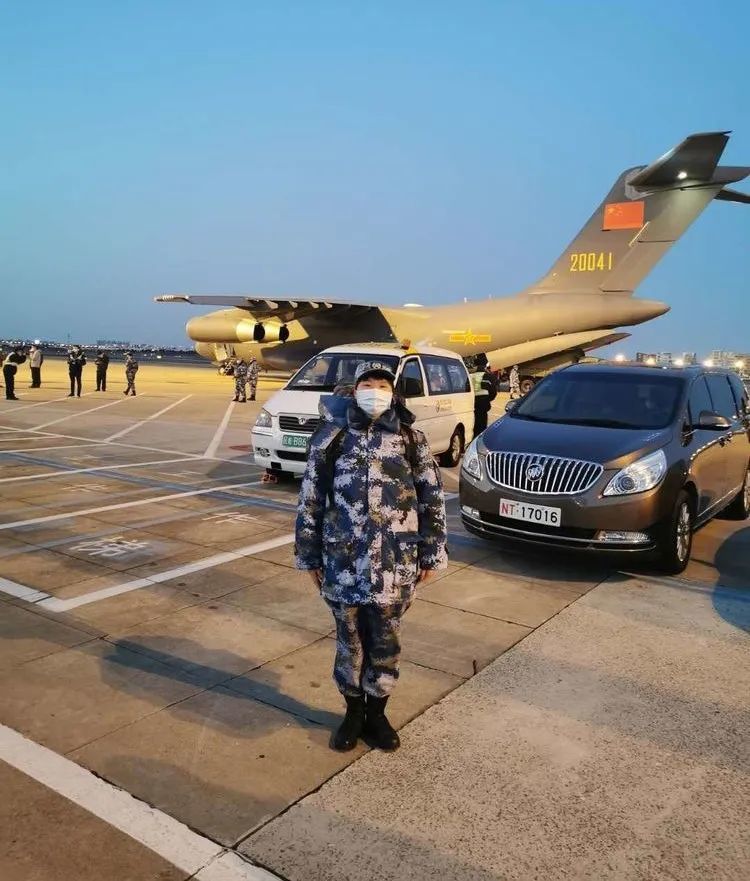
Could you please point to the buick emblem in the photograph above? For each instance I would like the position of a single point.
(534, 472)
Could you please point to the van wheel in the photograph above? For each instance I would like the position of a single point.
(739, 509)
(676, 541)
(526, 384)
(452, 456)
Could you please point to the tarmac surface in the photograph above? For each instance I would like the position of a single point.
(165, 693)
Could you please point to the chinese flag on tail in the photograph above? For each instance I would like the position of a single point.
(623, 215)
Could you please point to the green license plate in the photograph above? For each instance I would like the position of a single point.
(294, 440)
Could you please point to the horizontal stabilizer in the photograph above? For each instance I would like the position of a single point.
(726, 195)
(695, 160)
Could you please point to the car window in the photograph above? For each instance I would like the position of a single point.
(610, 398)
(329, 369)
(721, 395)
(740, 395)
(410, 381)
(438, 380)
(458, 377)
(699, 400)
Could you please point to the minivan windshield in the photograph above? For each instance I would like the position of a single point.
(326, 371)
(608, 399)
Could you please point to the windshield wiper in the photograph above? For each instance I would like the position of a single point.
(601, 423)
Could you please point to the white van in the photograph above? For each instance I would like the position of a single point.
(434, 382)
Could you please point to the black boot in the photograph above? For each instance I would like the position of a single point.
(350, 729)
(378, 730)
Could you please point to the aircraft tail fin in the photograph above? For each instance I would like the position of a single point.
(643, 215)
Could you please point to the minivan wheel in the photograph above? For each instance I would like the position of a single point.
(452, 456)
(676, 542)
(739, 509)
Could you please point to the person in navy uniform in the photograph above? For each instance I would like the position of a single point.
(76, 363)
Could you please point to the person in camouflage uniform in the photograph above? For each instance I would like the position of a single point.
(253, 369)
(370, 526)
(131, 368)
(239, 371)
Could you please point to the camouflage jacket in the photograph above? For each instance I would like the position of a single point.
(381, 520)
(253, 369)
(240, 370)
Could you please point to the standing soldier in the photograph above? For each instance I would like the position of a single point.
(76, 362)
(515, 383)
(370, 526)
(102, 363)
(36, 359)
(253, 369)
(131, 368)
(10, 366)
(485, 391)
(240, 380)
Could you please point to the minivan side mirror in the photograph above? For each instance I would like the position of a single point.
(710, 421)
(511, 405)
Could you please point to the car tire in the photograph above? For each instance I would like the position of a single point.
(526, 384)
(739, 508)
(452, 456)
(676, 541)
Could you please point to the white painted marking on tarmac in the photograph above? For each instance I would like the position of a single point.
(22, 592)
(42, 449)
(77, 413)
(40, 404)
(173, 841)
(72, 514)
(56, 605)
(219, 434)
(70, 471)
(147, 419)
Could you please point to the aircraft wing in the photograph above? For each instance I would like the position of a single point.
(282, 308)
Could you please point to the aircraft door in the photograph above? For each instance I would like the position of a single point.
(411, 385)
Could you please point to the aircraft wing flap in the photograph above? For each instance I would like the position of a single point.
(285, 309)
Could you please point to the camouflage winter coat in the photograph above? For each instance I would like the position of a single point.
(382, 519)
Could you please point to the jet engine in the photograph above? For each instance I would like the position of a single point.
(231, 326)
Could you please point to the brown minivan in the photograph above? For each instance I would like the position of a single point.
(623, 458)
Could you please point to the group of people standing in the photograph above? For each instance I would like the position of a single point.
(245, 374)
(76, 360)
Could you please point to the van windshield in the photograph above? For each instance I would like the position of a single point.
(326, 371)
(606, 400)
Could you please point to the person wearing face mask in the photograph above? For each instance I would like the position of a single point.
(370, 526)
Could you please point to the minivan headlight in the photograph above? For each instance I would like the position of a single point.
(264, 420)
(638, 477)
(472, 464)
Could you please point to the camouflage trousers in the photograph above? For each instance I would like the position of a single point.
(368, 648)
(239, 387)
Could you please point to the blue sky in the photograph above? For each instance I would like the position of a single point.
(388, 152)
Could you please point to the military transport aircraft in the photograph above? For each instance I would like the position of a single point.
(576, 307)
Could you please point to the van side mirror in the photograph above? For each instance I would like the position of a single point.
(710, 421)
(511, 405)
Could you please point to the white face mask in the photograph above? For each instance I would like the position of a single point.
(374, 401)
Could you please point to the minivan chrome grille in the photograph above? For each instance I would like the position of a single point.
(302, 424)
(542, 475)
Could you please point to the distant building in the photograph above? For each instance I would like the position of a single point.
(664, 359)
(722, 358)
(689, 358)
(646, 357)
(114, 344)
